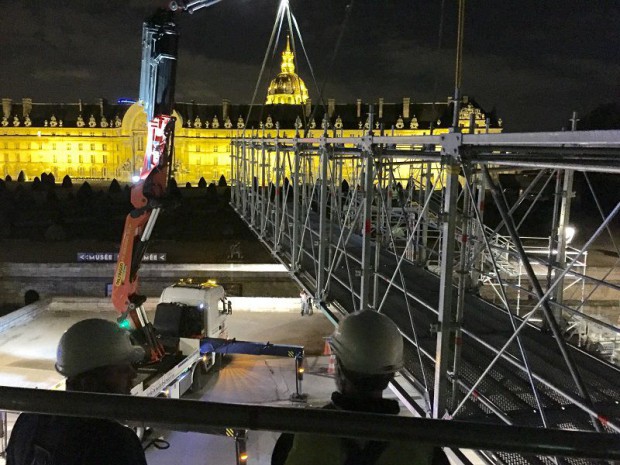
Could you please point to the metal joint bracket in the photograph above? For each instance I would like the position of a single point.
(367, 143)
(450, 144)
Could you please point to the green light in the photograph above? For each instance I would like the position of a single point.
(125, 324)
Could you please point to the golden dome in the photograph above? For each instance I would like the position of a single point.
(287, 88)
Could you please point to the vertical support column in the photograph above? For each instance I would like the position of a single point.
(380, 223)
(324, 241)
(243, 185)
(233, 173)
(278, 197)
(450, 149)
(563, 221)
(427, 190)
(463, 285)
(253, 184)
(477, 229)
(263, 188)
(368, 157)
(567, 195)
(241, 446)
(296, 204)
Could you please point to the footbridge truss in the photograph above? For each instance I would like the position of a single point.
(498, 328)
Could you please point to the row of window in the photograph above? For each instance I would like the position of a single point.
(206, 160)
(80, 171)
(54, 146)
(68, 158)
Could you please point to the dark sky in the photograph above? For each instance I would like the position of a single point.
(534, 61)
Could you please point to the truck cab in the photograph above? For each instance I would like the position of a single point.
(189, 309)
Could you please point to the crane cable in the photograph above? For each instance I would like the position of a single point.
(276, 27)
(438, 51)
(294, 27)
(343, 26)
(458, 64)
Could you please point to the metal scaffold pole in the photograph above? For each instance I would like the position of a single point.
(445, 327)
(279, 195)
(253, 185)
(549, 317)
(366, 271)
(296, 205)
(324, 240)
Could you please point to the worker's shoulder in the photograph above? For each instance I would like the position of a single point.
(318, 448)
(117, 444)
(112, 429)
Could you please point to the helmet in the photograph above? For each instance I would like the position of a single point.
(368, 342)
(94, 343)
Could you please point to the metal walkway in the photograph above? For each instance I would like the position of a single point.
(396, 224)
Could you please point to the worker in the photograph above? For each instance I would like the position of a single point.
(96, 356)
(306, 303)
(369, 350)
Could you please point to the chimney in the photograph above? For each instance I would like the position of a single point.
(380, 108)
(101, 106)
(225, 109)
(406, 105)
(80, 105)
(26, 106)
(308, 108)
(331, 107)
(359, 107)
(7, 105)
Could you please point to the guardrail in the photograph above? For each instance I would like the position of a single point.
(203, 417)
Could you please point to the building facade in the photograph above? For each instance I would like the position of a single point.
(105, 141)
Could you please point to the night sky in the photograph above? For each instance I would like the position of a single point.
(533, 61)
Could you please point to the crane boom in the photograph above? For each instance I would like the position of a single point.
(157, 87)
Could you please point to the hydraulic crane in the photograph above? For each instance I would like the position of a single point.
(148, 194)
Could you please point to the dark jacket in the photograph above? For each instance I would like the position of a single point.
(56, 440)
(308, 448)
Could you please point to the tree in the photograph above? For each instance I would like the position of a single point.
(173, 189)
(21, 177)
(51, 179)
(188, 184)
(8, 178)
(66, 182)
(36, 183)
(44, 178)
(212, 193)
(84, 193)
(115, 187)
(202, 183)
(222, 181)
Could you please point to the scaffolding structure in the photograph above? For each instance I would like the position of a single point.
(396, 224)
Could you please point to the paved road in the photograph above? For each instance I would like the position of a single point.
(255, 380)
(27, 359)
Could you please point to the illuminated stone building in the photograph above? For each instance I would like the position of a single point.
(104, 141)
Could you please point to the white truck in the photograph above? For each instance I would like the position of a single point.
(186, 314)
